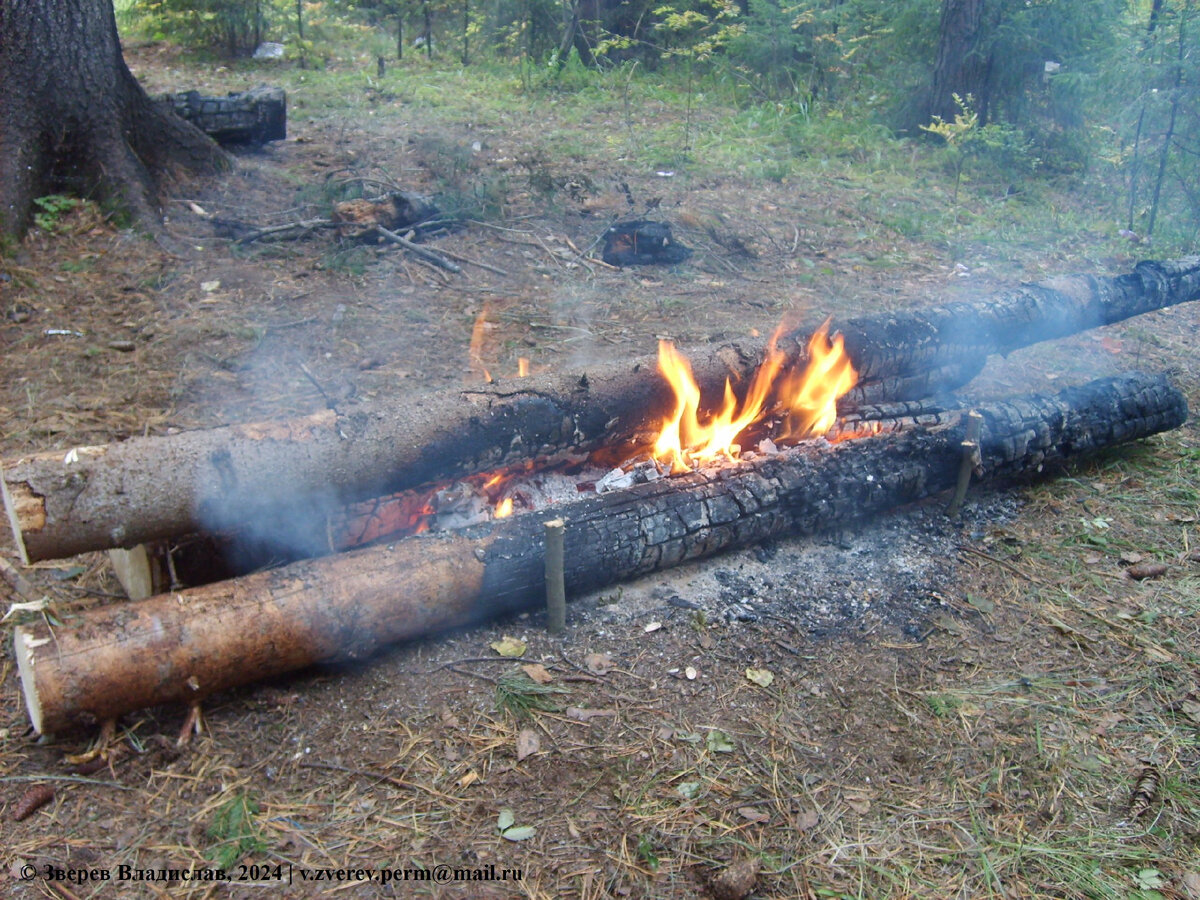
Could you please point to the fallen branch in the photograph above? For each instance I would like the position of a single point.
(280, 232)
(180, 647)
(417, 250)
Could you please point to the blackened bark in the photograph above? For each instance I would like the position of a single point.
(281, 480)
(73, 118)
(184, 645)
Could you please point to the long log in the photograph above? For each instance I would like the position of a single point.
(278, 482)
(182, 646)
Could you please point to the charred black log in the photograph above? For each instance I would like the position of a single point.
(249, 117)
(944, 347)
(182, 646)
(250, 478)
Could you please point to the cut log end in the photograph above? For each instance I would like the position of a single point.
(25, 509)
(24, 644)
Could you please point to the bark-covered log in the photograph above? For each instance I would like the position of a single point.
(182, 646)
(246, 117)
(280, 481)
(963, 334)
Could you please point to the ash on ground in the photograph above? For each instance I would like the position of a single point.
(896, 571)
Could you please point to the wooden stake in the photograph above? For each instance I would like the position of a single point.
(970, 459)
(556, 591)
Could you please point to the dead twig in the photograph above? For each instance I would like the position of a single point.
(428, 255)
(472, 262)
(302, 226)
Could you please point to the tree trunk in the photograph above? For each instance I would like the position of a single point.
(183, 646)
(279, 483)
(959, 67)
(73, 117)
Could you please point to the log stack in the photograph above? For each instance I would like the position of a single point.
(187, 644)
(184, 645)
(287, 478)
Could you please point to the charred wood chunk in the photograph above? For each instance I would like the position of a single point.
(249, 117)
(642, 243)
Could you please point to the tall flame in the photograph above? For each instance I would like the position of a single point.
(809, 399)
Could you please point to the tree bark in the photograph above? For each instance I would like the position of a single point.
(959, 67)
(73, 118)
(183, 646)
(279, 483)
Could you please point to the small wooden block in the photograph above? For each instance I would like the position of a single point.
(134, 570)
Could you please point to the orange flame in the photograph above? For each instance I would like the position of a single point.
(810, 399)
(687, 438)
(522, 366)
(503, 509)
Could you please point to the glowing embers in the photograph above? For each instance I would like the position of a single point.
(806, 402)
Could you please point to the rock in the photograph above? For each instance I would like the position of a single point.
(737, 880)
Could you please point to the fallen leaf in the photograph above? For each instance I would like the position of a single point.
(983, 604)
(1129, 557)
(750, 814)
(651, 626)
(581, 714)
(537, 672)
(719, 742)
(688, 790)
(858, 803)
(1060, 626)
(1191, 884)
(1145, 570)
(520, 833)
(209, 286)
(505, 820)
(807, 819)
(528, 743)
(761, 677)
(508, 646)
(1191, 709)
(469, 779)
(1092, 558)
(598, 663)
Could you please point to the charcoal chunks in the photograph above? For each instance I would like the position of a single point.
(642, 243)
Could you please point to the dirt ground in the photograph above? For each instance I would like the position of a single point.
(958, 707)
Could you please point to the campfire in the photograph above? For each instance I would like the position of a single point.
(778, 407)
(410, 519)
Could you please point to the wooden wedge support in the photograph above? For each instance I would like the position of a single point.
(179, 647)
(282, 480)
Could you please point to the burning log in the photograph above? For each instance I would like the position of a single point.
(182, 646)
(285, 479)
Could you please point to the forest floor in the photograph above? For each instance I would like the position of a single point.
(960, 708)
